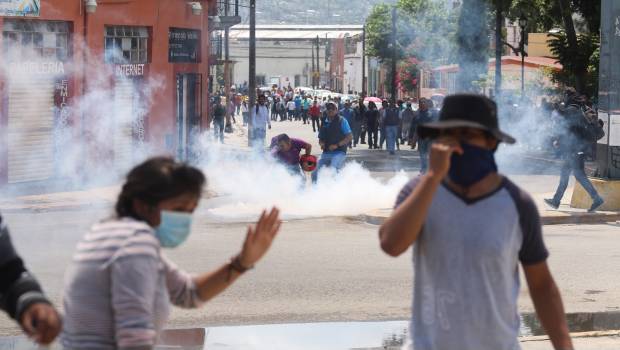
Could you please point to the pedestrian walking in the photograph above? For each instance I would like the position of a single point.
(315, 114)
(120, 286)
(372, 125)
(305, 108)
(424, 115)
(406, 117)
(382, 135)
(260, 122)
(219, 119)
(359, 135)
(574, 142)
(245, 112)
(391, 123)
(21, 296)
(348, 113)
(290, 106)
(297, 101)
(274, 109)
(334, 137)
(471, 228)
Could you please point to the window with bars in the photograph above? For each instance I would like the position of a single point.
(44, 39)
(126, 44)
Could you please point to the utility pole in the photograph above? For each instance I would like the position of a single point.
(327, 47)
(499, 25)
(227, 79)
(318, 63)
(228, 127)
(394, 56)
(364, 60)
(252, 68)
(313, 68)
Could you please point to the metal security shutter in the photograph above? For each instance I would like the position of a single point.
(123, 124)
(30, 126)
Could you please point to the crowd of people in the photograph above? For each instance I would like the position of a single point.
(120, 285)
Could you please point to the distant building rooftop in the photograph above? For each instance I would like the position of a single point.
(295, 32)
(535, 62)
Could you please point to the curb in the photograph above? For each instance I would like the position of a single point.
(577, 218)
(595, 334)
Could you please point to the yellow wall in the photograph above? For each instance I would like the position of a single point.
(537, 45)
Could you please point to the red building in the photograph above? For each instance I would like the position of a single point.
(84, 87)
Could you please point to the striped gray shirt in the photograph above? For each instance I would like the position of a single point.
(119, 287)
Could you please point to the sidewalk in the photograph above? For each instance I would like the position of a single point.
(563, 216)
(608, 340)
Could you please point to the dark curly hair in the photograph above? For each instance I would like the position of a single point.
(156, 180)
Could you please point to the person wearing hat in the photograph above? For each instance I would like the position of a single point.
(470, 228)
(334, 138)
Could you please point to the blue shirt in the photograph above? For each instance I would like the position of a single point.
(297, 103)
(347, 113)
(344, 127)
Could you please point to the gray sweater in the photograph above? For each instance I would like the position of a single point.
(119, 287)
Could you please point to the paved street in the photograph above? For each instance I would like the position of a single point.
(325, 268)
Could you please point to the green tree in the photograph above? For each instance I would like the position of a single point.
(432, 28)
(379, 33)
(473, 44)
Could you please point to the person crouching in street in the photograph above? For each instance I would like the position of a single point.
(470, 228)
(334, 138)
(260, 122)
(22, 297)
(120, 286)
(287, 150)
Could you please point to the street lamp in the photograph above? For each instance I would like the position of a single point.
(91, 6)
(522, 25)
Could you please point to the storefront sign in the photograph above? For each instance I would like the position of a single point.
(37, 68)
(129, 70)
(183, 45)
(20, 8)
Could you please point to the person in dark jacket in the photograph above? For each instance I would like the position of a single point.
(424, 115)
(361, 119)
(372, 125)
(574, 143)
(21, 296)
(334, 138)
(391, 124)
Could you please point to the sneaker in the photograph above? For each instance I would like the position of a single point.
(598, 201)
(392, 153)
(553, 204)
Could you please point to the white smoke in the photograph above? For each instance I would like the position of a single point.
(251, 181)
(81, 144)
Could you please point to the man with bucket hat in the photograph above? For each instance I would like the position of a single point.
(470, 228)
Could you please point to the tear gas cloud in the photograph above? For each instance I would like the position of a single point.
(252, 181)
(245, 183)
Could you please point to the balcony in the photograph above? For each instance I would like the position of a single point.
(215, 47)
(224, 14)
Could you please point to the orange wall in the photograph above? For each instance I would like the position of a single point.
(159, 16)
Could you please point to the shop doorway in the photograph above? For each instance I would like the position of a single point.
(189, 115)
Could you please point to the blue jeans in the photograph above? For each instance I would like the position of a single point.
(391, 133)
(424, 147)
(331, 159)
(574, 164)
(218, 129)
